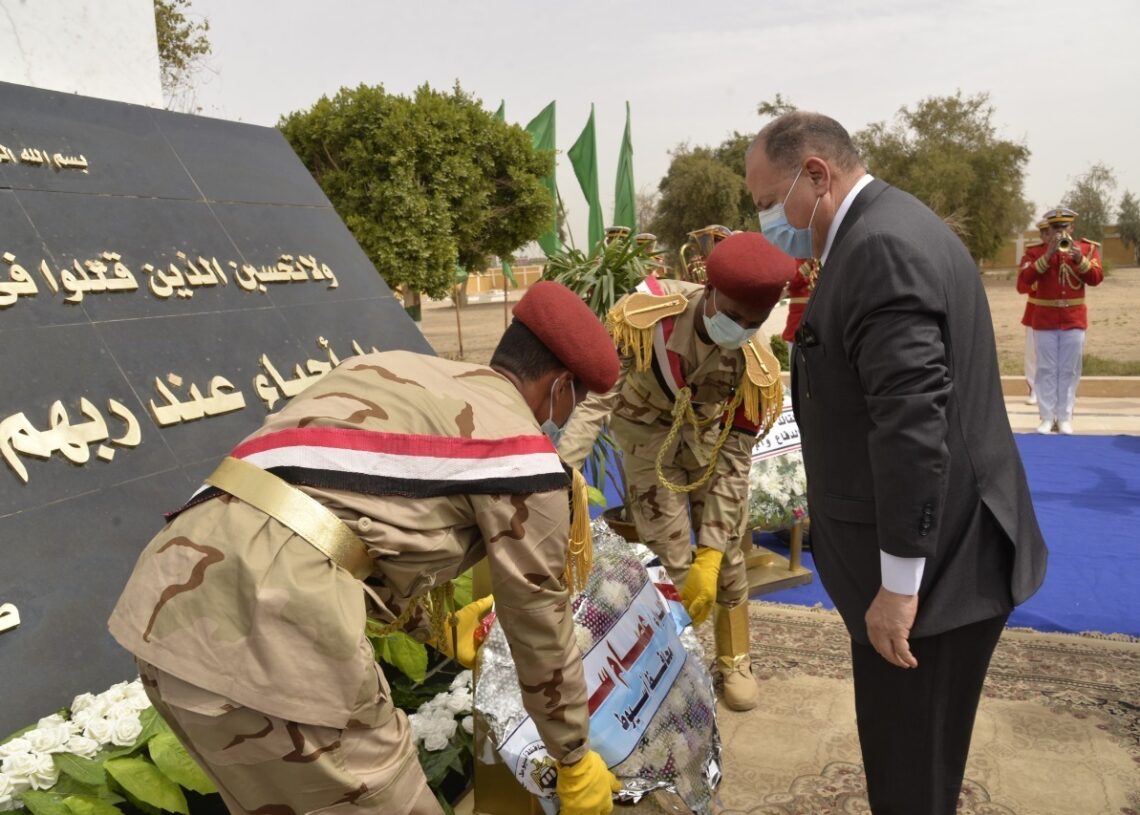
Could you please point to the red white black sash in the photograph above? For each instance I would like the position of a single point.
(404, 464)
(666, 364)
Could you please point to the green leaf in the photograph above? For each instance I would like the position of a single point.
(179, 766)
(596, 496)
(152, 725)
(44, 803)
(462, 585)
(145, 782)
(89, 805)
(83, 770)
(405, 653)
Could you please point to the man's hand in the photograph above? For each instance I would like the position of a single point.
(586, 787)
(699, 592)
(1053, 243)
(889, 620)
(467, 619)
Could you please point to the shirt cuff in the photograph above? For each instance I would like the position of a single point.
(902, 575)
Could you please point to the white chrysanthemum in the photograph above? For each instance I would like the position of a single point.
(99, 729)
(15, 747)
(614, 594)
(82, 746)
(125, 729)
(459, 701)
(36, 770)
(461, 680)
(584, 637)
(468, 724)
(50, 738)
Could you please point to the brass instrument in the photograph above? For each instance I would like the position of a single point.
(696, 249)
(1065, 244)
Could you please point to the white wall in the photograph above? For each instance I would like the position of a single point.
(101, 48)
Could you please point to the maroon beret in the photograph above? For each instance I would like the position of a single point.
(749, 269)
(573, 333)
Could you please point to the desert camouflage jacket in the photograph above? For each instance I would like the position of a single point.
(435, 465)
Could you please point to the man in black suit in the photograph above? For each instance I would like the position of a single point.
(922, 527)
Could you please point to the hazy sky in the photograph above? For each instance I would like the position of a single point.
(1062, 76)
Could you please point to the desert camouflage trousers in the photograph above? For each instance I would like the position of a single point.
(666, 520)
(269, 766)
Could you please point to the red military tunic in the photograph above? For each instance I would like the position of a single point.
(1059, 302)
(799, 290)
(1027, 261)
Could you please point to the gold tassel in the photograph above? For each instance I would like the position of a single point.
(751, 400)
(631, 341)
(580, 548)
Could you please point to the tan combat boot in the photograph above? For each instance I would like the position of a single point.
(732, 657)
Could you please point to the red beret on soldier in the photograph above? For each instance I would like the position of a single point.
(749, 269)
(573, 333)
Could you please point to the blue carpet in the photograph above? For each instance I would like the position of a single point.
(1086, 490)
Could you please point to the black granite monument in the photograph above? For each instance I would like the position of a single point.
(165, 282)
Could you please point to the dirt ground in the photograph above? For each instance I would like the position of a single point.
(1114, 321)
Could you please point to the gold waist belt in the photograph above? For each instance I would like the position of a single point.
(302, 513)
(1079, 301)
(797, 300)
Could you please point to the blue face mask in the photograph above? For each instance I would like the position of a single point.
(777, 231)
(725, 331)
(549, 427)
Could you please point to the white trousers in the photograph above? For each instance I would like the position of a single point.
(1058, 371)
(1030, 357)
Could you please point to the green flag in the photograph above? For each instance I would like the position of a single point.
(508, 272)
(584, 159)
(541, 130)
(625, 204)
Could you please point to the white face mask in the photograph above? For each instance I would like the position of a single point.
(725, 331)
(552, 430)
(777, 231)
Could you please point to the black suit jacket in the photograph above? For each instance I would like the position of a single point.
(906, 441)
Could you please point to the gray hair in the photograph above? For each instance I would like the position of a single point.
(791, 137)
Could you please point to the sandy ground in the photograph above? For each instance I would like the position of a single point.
(1114, 321)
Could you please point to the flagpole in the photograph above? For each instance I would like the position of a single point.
(565, 220)
(458, 322)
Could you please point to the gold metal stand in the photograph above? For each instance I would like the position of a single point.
(769, 572)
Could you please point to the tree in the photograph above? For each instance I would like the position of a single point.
(697, 190)
(1089, 197)
(646, 208)
(1130, 224)
(776, 107)
(183, 45)
(424, 183)
(945, 151)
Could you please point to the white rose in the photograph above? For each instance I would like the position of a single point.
(117, 692)
(7, 793)
(48, 721)
(469, 724)
(50, 739)
(82, 702)
(138, 699)
(125, 729)
(435, 741)
(35, 769)
(99, 729)
(83, 746)
(14, 747)
(461, 680)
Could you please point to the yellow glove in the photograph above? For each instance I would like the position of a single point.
(467, 619)
(699, 592)
(586, 787)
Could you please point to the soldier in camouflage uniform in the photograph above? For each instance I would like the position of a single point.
(695, 389)
(384, 480)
